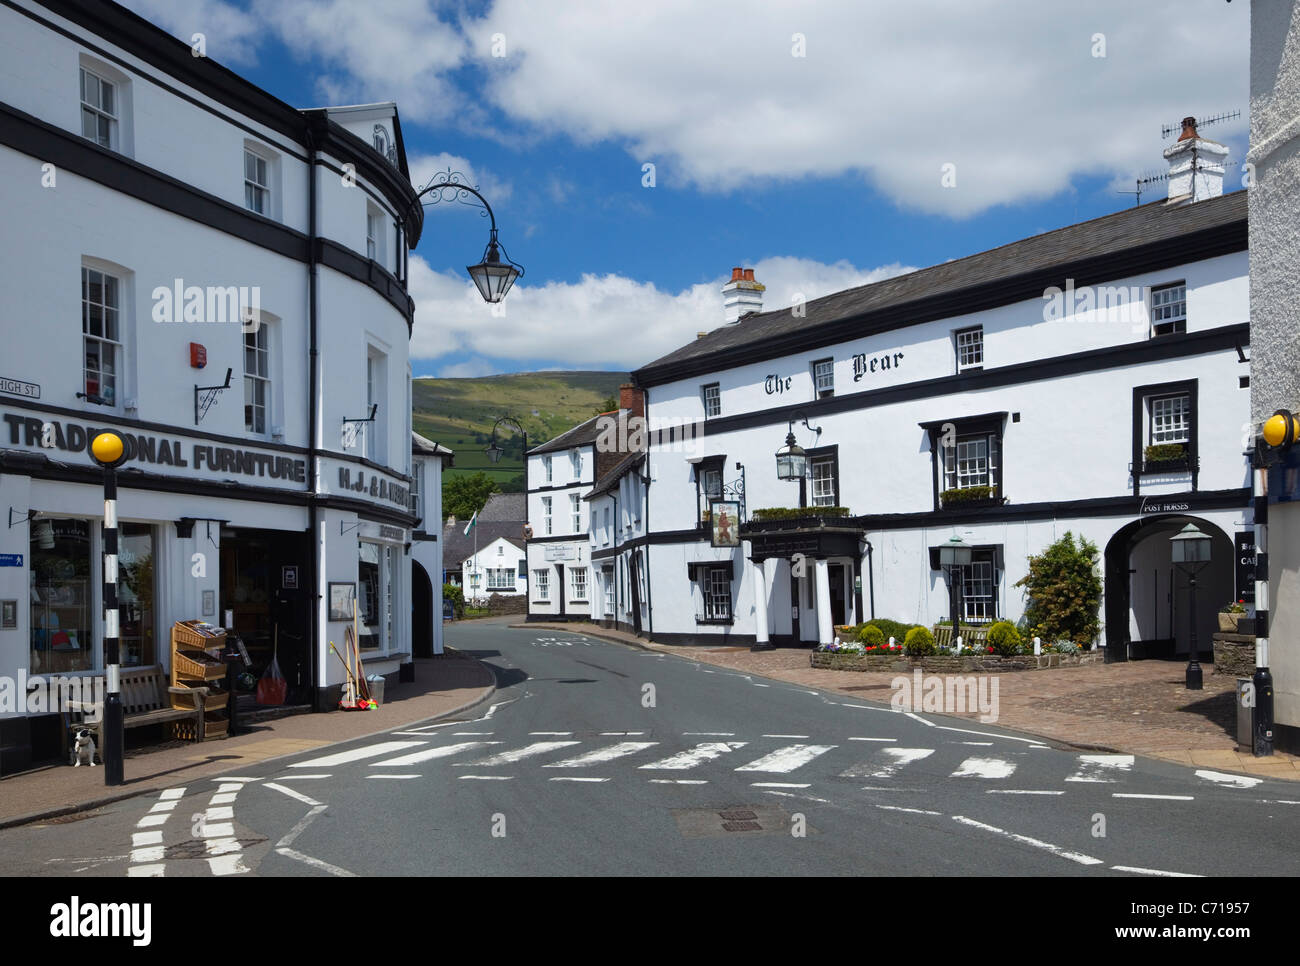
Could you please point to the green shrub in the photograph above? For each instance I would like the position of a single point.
(919, 642)
(453, 593)
(967, 494)
(871, 634)
(796, 513)
(1004, 638)
(1165, 452)
(1063, 592)
(895, 629)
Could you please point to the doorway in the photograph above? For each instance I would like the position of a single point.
(421, 612)
(1147, 604)
(263, 585)
(835, 577)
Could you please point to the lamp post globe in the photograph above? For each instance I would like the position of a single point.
(1190, 552)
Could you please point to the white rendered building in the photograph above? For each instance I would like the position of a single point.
(166, 222)
(1092, 380)
(428, 460)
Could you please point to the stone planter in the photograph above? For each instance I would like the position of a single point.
(1231, 623)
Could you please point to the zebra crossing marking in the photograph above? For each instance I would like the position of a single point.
(428, 754)
(705, 751)
(984, 768)
(601, 755)
(358, 754)
(787, 759)
(528, 751)
(1101, 768)
(901, 758)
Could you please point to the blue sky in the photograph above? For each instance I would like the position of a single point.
(806, 140)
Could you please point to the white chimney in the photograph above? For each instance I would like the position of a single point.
(742, 295)
(1195, 166)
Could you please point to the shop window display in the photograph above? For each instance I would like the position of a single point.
(62, 597)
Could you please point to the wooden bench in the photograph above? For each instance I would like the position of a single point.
(146, 700)
(972, 636)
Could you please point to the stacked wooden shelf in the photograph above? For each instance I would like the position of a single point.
(196, 663)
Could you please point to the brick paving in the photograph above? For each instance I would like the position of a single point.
(1140, 707)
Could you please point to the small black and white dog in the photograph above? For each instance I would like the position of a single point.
(83, 749)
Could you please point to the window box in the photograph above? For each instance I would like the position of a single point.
(1166, 458)
(772, 513)
(970, 496)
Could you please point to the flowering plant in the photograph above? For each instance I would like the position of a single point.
(1234, 607)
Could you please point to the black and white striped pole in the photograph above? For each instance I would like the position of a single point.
(108, 451)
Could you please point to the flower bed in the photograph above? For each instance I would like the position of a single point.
(948, 663)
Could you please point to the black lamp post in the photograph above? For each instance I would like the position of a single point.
(496, 273)
(953, 555)
(791, 460)
(109, 452)
(494, 451)
(1191, 554)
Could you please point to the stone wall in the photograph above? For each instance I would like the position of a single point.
(950, 664)
(507, 604)
(1234, 654)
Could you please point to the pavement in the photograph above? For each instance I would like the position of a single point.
(1138, 707)
(443, 686)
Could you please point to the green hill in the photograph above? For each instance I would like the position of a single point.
(459, 413)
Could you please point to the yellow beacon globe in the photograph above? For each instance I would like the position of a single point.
(107, 447)
(1275, 429)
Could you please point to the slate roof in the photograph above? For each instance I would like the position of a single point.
(617, 471)
(1131, 228)
(511, 507)
(456, 547)
(420, 446)
(584, 434)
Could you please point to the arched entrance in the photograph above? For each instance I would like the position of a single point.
(421, 612)
(1147, 597)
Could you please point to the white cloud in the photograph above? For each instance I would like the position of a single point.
(1009, 93)
(606, 321)
(231, 35)
(425, 166)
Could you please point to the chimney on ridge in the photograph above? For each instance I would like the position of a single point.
(742, 295)
(632, 399)
(1195, 166)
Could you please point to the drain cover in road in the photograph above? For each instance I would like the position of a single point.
(764, 819)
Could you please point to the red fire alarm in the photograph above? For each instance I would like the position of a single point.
(198, 356)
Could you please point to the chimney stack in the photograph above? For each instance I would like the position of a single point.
(742, 295)
(1195, 166)
(632, 399)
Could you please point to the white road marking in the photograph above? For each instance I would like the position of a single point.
(145, 872)
(620, 734)
(221, 830)
(225, 789)
(458, 734)
(1277, 801)
(787, 759)
(708, 734)
(553, 734)
(901, 758)
(233, 778)
(141, 839)
(149, 821)
(914, 811)
(572, 778)
(152, 853)
(358, 754)
(232, 864)
(297, 830)
(427, 754)
(293, 793)
(487, 778)
(1101, 768)
(316, 863)
(977, 743)
(1165, 798)
(223, 799)
(1020, 791)
(873, 739)
(295, 778)
(393, 776)
(984, 768)
(218, 813)
(528, 751)
(1160, 872)
(1078, 857)
(169, 793)
(785, 736)
(600, 755)
(163, 807)
(677, 781)
(1231, 781)
(704, 751)
(778, 785)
